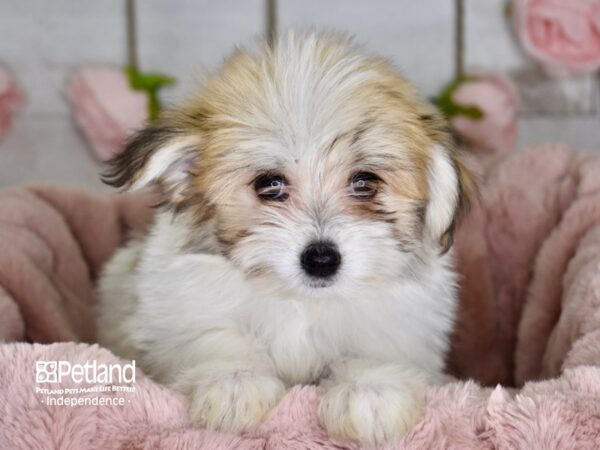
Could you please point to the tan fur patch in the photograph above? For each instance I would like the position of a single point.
(316, 111)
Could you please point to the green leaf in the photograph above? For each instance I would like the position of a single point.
(445, 102)
(150, 83)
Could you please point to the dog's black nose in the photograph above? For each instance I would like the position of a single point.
(320, 259)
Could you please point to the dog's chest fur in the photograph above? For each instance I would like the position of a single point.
(177, 299)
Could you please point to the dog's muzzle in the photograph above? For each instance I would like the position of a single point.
(320, 259)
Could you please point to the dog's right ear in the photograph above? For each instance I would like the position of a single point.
(159, 155)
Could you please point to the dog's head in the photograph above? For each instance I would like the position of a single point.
(312, 166)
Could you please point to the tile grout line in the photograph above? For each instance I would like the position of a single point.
(271, 21)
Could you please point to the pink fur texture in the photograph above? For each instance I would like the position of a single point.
(53, 242)
(529, 256)
(563, 413)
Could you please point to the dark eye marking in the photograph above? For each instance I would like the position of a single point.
(364, 185)
(271, 187)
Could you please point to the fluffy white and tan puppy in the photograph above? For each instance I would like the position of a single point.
(309, 201)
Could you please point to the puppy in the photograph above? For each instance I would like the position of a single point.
(309, 198)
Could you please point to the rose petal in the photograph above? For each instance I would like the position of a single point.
(498, 100)
(106, 108)
(564, 36)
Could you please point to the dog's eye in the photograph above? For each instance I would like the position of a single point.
(363, 185)
(271, 187)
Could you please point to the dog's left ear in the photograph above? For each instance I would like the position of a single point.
(161, 156)
(451, 188)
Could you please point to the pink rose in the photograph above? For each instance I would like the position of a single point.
(497, 100)
(11, 100)
(564, 35)
(106, 108)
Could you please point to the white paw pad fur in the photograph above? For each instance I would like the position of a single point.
(236, 401)
(370, 412)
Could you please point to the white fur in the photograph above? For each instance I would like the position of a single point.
(373, 338)
(443, 193)
(372, 402)
(171, 164)
(201, 327)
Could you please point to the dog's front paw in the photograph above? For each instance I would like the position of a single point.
(371, 409)
(235, 400)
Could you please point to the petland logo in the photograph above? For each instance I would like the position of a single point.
(89, 372)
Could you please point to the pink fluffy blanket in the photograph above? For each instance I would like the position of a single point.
(529, 254)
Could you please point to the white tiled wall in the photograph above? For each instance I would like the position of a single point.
(187, 37)
(43, 40)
